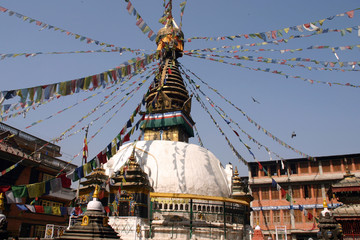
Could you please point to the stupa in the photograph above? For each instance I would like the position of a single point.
(188, 193)
(93, 224)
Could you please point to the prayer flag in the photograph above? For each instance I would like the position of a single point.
(21, 207)
(85, 148)
(19, 191)
(283, 193)
(31, 208)
(274, 183)
(39, 209)
(55, 185)
(288, 197)
(65, 182)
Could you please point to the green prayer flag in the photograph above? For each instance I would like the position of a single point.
(19, 191)
(48, 210)
(288, 198)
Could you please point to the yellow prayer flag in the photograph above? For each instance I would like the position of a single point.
(321, 21)
(286, 30)
(56, 211)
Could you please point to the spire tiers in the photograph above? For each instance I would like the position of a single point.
(168, 103)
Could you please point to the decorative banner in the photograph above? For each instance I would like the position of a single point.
(48, 26)
(239, 48)
(284, 61)
(182, 9)
(252, 121)
(119, 50)
(228, 120)
(280, 73)
(202, 104)
(140, 21)
(278, 33)
(45, 92)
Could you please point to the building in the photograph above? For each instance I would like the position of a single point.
(306, 181)
(40, 166)
(168, 187)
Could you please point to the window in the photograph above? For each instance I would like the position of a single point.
(276, 217)
(307, 191)
(317, 191)
(298, 215)
(336, 165)
(266, 216)
(265, 193)
(256, 217)
(287, 218)
(293, 168)
(314, 167)
(304, 167)
(325, 166)
(295, 191)
(283, 171)
(39, 231)
(274, 194)
(254, 171)
(51, 203)
(273, 170)
(255, 193)
(47, 177)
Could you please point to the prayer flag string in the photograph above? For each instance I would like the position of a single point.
(311, 27)
(48, 26)
(258, 126)
(279, 72)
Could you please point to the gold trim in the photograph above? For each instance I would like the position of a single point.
(201, 197)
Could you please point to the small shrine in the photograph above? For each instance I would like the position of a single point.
(347, 191)
(328, 227)
(93, 224)
(133, 186)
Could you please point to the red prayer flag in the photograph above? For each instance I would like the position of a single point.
(283, 193)
(4, 189)
(126, 138)
(310, 216)
(260, 166)
(107, 209)
(39, 209)
(102, 194)
(65, 181)
(350, 14)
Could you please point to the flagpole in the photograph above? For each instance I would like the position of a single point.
(83, 158)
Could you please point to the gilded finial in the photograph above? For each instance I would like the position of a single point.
(325, 203)
(96, 192)
(236, 173)
(1, 201)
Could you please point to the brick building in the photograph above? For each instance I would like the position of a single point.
(306, 181)
(41, 166)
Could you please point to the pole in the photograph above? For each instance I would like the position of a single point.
(224, 221)
(191, 217)
(151, 213)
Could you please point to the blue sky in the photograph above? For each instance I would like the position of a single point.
(324, 118)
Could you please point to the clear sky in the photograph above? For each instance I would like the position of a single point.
(325, 119)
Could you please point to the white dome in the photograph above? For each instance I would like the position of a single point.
(175, 167)
(95, 204)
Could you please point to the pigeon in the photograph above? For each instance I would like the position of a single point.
(293, 134)
(256, 101)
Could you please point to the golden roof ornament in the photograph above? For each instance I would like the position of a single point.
(96, 192)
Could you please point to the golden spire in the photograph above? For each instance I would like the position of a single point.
(325, 203)
(96, 192)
